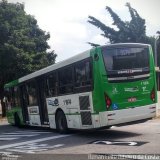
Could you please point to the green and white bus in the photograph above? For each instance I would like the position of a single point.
(105, 86)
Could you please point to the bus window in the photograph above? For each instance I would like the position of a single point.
(83, 74)
(65, 77)
(123, 62)
(16, 96)
(52, 85)
(32, 96)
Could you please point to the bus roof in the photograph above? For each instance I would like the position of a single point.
(11, 84)
(71, 60)
(126, 45)
(53, 67)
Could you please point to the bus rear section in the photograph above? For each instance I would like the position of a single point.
(127, 86)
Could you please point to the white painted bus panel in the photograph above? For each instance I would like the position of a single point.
(70, 106)
(34, 117)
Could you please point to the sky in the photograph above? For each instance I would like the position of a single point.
(66, 21)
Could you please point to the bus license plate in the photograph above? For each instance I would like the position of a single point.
(132, 99)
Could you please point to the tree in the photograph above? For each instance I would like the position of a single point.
(23, 45)
(127, 31)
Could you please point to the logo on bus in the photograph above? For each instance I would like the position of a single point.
(53, 102)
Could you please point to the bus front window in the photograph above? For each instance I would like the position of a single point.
(126, 63)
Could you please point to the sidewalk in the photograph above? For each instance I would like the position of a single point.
(158, 113)
(3, 120)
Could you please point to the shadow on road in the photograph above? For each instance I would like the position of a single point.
(109, 134)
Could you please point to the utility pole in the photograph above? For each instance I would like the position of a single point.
(155, 50)
(156, 65)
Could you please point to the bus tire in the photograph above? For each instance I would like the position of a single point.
(108, 127)
(17, 122)
(61, 122)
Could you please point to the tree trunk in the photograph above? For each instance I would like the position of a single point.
(3, 108)
(1, 98)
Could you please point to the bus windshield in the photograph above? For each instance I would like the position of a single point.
(124, 62)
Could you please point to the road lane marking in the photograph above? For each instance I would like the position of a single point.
(20, 135)
(31, 132)
(111, 143)
(33, 148)
(33, 141)
(25, 132)
(7, 139)
(124, 143)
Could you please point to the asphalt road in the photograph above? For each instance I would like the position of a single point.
(46, 144)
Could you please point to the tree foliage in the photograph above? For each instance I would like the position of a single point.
(133, 31)
(126, 31)
(23, 45)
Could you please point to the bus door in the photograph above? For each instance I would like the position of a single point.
(42, 101)
(24, 103)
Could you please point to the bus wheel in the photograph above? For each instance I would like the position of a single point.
(61, 122)
(17, 120)
(108, 127)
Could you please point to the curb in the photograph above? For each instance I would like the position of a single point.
(158, 113)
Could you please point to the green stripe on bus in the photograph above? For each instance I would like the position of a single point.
(76, 114)
(11, 84)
